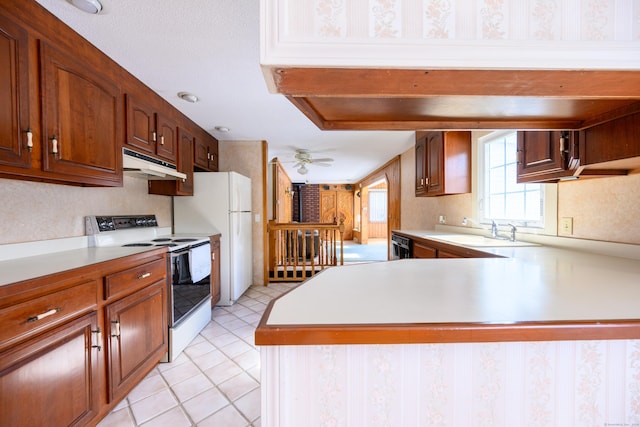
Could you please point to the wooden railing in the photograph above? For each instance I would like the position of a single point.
(300, 250)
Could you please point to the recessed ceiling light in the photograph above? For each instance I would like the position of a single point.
(89, 6)
(189, 97)
(222, 129)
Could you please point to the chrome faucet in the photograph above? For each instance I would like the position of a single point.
(494, 229)
(496, 235)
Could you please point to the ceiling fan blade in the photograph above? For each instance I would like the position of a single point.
(326, 159)
(326, 165)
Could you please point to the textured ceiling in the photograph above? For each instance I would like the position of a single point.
(211, 48)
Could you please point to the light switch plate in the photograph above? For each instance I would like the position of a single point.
(566, 226)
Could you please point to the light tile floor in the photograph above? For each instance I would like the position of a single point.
(214, 382)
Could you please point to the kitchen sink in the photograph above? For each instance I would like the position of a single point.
(476, 240)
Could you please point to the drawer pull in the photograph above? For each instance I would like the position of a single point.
(116, 324)
(43, 315)
(144, 276)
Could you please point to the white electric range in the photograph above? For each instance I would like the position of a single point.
(190, 278)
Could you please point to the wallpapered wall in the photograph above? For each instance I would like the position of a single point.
(33, 211)
(246, 158)
(560, 383)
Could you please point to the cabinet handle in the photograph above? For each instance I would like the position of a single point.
(421, 181)
(562, 144)
(144, 275)
(426, 181)
(54, 146)
(116, 324)
(154, 136)
(162, 140)
(29, 139)
(213, 257)
(43, 315)
(98, 334)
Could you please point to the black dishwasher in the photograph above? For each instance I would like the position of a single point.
(402, 247)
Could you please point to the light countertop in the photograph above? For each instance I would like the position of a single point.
(530, 285)
(25, 268)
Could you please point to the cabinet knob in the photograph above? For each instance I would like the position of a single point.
(29, 139)
(116, 326)
(54, 146)
(98, 334)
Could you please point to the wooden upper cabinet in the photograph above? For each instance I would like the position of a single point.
(167, 138)
(613, 141)
(14, 95)
(140, 125)
(443, 163)
(185, 165)
(205, 156)
(545, 156)
(421, 167)
(150, 132)
(81, 120)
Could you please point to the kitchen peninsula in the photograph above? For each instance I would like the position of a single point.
(540, 334)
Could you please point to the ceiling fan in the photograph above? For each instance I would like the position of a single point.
(303, 158)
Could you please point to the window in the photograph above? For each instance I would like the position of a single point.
(501, 199)
(378, 205)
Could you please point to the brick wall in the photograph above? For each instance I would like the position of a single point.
(309, 195)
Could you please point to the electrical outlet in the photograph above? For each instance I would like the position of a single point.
(566, 226)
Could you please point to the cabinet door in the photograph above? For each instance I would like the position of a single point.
(53, 380)
(140, 126)
(215, 270)
(14, 95)
(421, 173)
(82, 121)
(138, 330)
(435, 162)
(185, 162)
(201, 154)
(421, 251)
(540, 153)
(167, 139)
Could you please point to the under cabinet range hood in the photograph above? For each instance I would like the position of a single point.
(134, 163)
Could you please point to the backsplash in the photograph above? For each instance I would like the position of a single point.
(33, 211)
(602, 208)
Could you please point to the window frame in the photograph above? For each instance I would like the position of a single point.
(549, 192)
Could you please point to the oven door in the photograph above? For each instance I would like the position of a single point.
(186, 294)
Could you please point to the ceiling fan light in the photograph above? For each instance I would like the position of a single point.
(302, 170)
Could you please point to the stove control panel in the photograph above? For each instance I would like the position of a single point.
(98, 224)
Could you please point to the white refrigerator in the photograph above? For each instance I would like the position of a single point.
(221, 203)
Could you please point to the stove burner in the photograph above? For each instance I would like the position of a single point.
(185, 240)
(162, 239)
(138, 244)
(166, 244)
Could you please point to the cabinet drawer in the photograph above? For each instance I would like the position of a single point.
(31, 317)
(132, 279)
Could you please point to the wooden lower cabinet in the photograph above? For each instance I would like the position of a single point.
(54, 379)
(74, 343)
(137, 326)
(422, 251)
